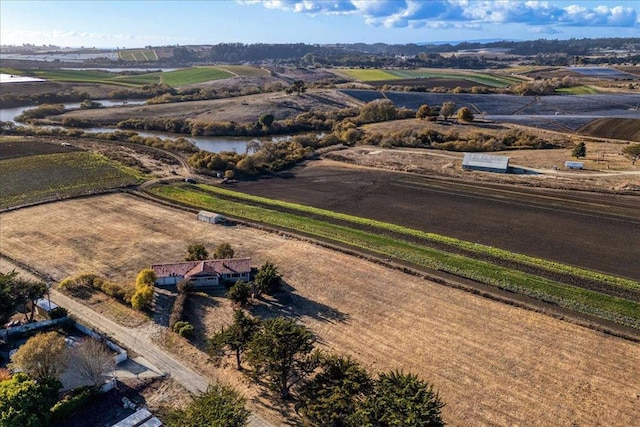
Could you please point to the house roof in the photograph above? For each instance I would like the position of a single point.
(485, 161)
(210, 266)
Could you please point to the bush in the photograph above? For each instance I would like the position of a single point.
(178, 305)
(58, 313)
(184, 329)
(142, 298)
(71, 403)
(239, 293)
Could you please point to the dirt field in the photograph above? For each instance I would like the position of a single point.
(493, 364)
(595, 231)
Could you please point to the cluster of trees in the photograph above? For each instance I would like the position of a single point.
(80, 283)
(29, 398)
(179, 144)
(11, 100)
(17, 293)
(267, 281)
(453, 141)
(384, 55)
(632, 152)
(330, 390)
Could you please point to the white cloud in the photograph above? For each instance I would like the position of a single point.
(420, 13)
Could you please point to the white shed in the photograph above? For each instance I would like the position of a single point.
(573, 165)
(210, 217)
(485, 162)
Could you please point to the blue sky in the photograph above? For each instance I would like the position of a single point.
(139, 23)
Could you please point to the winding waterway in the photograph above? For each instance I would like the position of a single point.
(207, 143)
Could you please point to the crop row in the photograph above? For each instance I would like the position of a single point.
(604, 306)
(433, 237)
(41, 177)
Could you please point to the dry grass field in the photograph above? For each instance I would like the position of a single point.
(493, 364)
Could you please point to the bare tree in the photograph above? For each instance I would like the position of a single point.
(91, 360)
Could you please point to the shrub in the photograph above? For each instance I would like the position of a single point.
(58, 313)
(142, 298)
(146, 277)
(184, 329)
(239, 293)
(71, 403)
(178, 305)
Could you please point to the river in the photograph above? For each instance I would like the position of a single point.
(206, 143)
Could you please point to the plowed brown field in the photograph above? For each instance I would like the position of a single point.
(493, 364)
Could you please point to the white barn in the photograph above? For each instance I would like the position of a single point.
(210, 217)
(485, 162)
(209, 273)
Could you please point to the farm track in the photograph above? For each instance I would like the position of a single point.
(437, 276)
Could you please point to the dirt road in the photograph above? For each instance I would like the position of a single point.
(139, 340)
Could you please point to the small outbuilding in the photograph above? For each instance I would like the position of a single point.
(485, 162)
(573, 165)
(211, 217)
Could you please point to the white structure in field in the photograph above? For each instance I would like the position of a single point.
(574, 165)
(485, 162)
(211, 217)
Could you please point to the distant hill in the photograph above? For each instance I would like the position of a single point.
(628, 129)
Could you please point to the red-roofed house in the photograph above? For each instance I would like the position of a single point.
(203, 274)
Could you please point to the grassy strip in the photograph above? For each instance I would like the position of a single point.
(469, 246)
(607, 307)
(578, 90)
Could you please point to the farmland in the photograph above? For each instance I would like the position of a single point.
(431, 251)
(554, 112)
(138, 55)
(417, 75)
(32, 172)
(194, 75)
(445, 335)
(172, 78)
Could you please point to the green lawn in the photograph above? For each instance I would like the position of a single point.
(582, 300)
(51, 176)
(194, 75)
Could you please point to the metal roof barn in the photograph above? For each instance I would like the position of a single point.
(485, 162)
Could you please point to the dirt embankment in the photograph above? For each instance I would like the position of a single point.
(626, 129)
(239, 109)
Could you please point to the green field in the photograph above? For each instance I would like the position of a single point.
(95, 76)
(379, 75)
(578, 90)
(172, 78)
(42, 177)
(138, 55)
(368, 75)
(244, 70)
(194, 75)
(297, 218)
